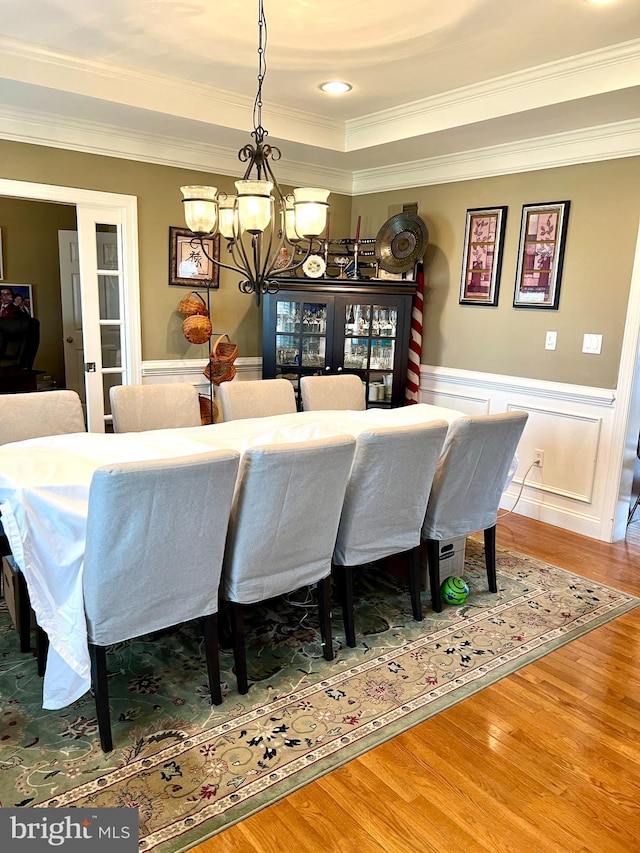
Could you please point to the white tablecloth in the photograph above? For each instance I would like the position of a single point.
(44, 488)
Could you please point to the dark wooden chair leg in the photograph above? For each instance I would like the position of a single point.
(414, 583)
(345, 574)
(433, 559)
(42, 649)
(239, 650)
(23, 612)
(225, 631)
(324, 612)
(98, 655)
(490, 557)
(212, 653)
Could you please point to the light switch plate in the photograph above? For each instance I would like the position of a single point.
(551, 340)
(592, 344)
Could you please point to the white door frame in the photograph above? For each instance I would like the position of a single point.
(627, 417)
(125, 208)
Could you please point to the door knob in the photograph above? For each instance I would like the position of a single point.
(69, 340)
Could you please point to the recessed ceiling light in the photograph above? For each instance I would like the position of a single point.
(601, 1)
(336, 87)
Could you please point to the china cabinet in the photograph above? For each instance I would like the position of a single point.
(336, 325)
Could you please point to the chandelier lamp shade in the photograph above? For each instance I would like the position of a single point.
(268, 232)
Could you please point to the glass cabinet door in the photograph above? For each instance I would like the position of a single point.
(370, 331)
(301, 338)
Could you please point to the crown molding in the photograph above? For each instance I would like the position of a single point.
(606, 142)
(54, 131)
(584, 75)
(581, 76)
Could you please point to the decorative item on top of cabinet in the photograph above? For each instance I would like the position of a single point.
(328, 326)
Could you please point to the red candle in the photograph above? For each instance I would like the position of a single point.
(358, 229)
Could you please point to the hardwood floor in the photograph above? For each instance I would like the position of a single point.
(545, 761)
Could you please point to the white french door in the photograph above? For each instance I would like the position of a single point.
(105, 335)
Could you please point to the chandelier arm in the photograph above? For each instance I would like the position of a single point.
(271, 256)
(200, 241)
(308, 251)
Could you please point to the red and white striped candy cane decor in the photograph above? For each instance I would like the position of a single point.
(412, 390)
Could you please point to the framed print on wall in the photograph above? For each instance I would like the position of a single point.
(188, 264)
(543, 232)
(483, 239)
(19, 297)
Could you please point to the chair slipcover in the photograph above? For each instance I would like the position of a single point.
(37, 414)
(283, 529)
(155, 542)
(388, 490)
(468, 484)
(385, 504)
(136, 408)
(345, 391)
(34, 415)
(257, 398)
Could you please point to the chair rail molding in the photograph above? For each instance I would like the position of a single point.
(190, 370)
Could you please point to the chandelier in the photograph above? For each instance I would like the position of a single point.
(268, 232)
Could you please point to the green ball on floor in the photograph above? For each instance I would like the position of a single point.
(454, 590)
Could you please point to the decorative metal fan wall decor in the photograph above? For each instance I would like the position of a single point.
(401, 242)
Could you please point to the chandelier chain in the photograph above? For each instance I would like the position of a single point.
(258, 130)
(267, 243)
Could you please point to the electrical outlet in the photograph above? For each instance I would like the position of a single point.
(550, 340)
(538, 458)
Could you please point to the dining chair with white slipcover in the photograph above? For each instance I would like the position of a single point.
(337, 391)
(167, 405)
(155, 542)
(256, 398)
(468, 484)
(385, 506)
(24, 416)
(38, 414)
(283, 529)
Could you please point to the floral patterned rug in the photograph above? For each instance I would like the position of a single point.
(193, 769)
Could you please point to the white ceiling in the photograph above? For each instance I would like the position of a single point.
(174, 80)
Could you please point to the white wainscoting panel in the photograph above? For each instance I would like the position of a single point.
(573, 426)
(191, 370)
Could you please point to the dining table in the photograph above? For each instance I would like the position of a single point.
(44, 494)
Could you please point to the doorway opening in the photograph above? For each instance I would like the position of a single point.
(98, 212)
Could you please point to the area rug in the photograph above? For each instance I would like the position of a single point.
(192, 769)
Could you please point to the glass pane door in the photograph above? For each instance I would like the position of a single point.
(301, 338)
(370, 347)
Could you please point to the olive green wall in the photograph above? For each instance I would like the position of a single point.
(602, 233)
(30, 252)
(601, 239)
(157, 189)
